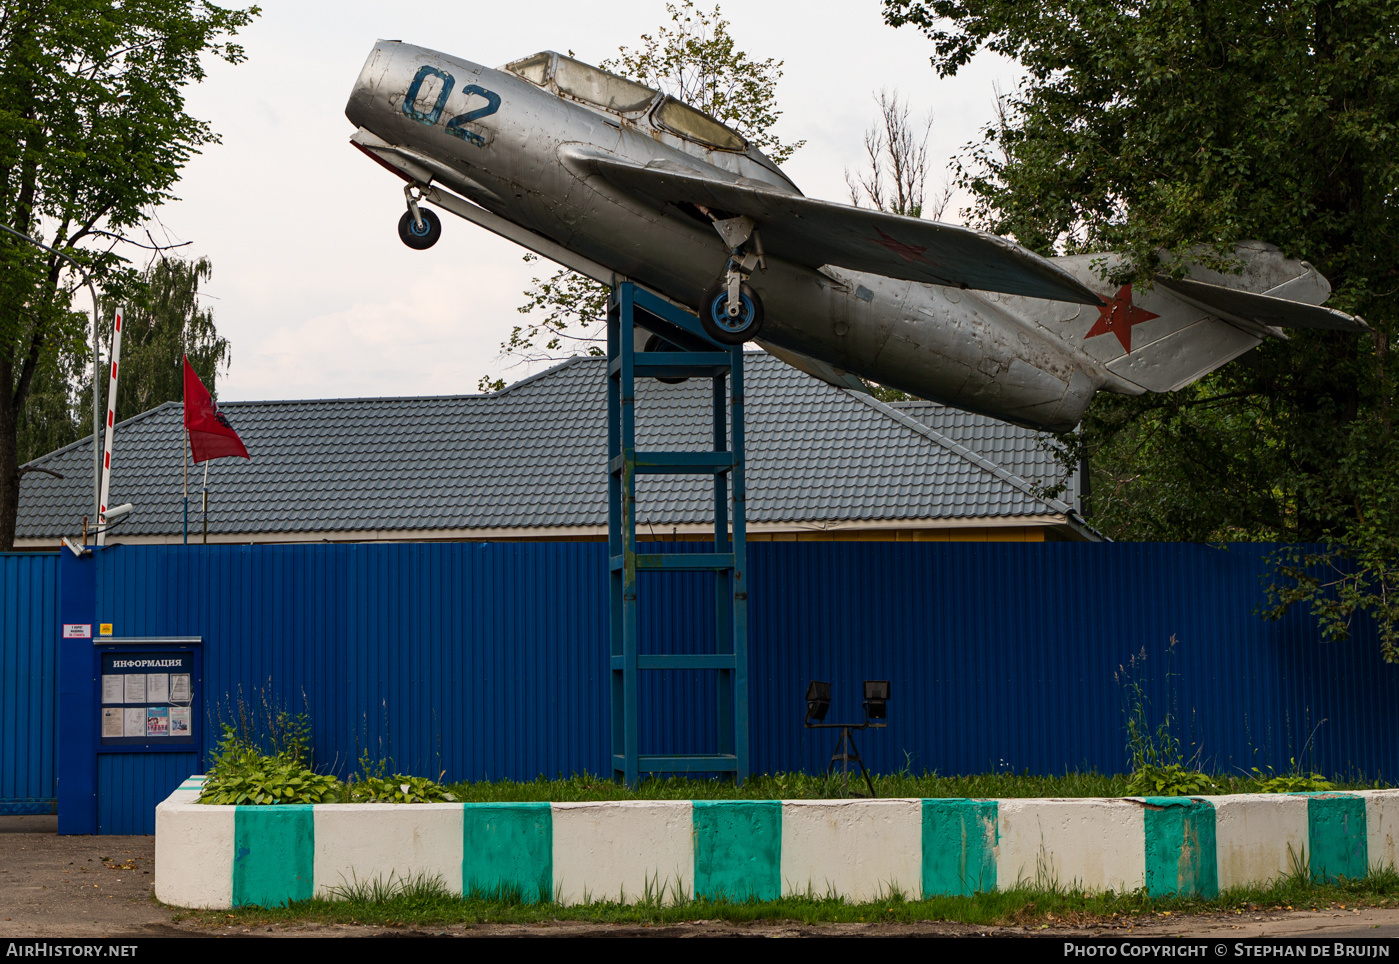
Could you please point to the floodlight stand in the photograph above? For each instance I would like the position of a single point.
(693, 355)
(846, 754)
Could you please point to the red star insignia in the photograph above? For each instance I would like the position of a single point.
(909, 252)
(1118, 316)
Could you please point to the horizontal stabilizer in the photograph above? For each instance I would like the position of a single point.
(815, 233)
(1235, 304)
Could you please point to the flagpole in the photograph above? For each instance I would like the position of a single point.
(216, 438)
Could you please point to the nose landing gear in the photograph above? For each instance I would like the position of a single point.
(419, 235)
(419, 228)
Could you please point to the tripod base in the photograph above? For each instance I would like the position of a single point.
(845, 755)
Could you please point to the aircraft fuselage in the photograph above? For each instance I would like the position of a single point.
(522, 152)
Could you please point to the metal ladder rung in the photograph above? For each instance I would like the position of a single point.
(682, 762)
(675, 364)
(679, 661)
(678, 561)
(676, 463)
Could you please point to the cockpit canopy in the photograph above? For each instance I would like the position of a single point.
(617, 95)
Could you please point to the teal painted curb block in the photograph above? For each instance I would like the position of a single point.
(508, 848)
(1181, 857)
(1337, 836)
(274, 854)
(738, 849)
(959, 846)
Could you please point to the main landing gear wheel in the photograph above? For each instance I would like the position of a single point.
(419, 236)
(727, 328)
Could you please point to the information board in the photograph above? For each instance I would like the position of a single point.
(147, 698)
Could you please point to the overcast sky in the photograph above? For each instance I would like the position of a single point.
(311, 285)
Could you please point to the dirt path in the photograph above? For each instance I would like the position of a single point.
(100, 887)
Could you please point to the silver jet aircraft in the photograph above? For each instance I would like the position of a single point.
(616, 180)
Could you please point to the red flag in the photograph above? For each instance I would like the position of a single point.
(210, 435)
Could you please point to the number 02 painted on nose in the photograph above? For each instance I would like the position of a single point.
(456, 126)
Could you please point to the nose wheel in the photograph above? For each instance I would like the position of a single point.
(422, 232)
(731, 321)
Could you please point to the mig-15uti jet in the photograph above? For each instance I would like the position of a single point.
(615, 180)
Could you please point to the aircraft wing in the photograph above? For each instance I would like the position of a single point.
(1236, 304)
(816, 233)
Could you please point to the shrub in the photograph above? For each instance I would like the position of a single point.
(243, 774)
(399, 789)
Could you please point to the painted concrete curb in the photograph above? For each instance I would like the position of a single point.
(861, 850)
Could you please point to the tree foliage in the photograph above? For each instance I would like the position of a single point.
(93, 134)
(694, 59)
(48, 421)
(164, 323)
(1163, 127)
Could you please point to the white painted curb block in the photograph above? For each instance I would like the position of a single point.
(356, 842)
(1257, 836)
(623, 851)
(1081, 842)
(193, 850)
(858, 849)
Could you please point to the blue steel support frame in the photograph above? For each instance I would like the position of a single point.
(698, 357)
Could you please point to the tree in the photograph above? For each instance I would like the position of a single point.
(48, 420)
(164, 324)
(895, 179)
(693, 59)
(93, 134)
(896, 154)
(1166, 128)
(159, 329)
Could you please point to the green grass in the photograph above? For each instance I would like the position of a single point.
(425, 902)
(801, 786)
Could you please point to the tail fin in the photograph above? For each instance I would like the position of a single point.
(1180, 330)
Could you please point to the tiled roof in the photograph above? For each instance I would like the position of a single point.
(1020, 451)
(530, 456)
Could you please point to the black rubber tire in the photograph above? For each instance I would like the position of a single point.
(417, 238)
(657, 343)
(714, 316)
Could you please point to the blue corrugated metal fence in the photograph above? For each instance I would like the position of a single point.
(490, 660)
(28, 681)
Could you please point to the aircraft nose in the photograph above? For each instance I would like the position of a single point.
(370, 75)
(388, 72)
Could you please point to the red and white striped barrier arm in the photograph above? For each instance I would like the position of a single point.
(111, 425)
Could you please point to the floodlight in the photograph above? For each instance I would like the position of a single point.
(818, 701)
(876, 698)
